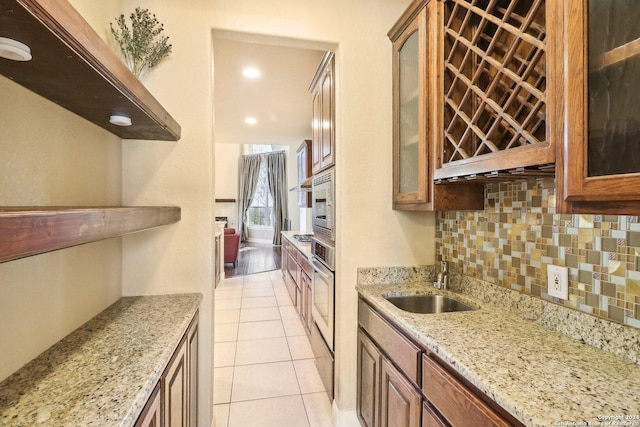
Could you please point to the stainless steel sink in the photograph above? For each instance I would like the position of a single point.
(428, 304)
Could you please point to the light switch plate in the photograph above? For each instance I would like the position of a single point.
(558, 281)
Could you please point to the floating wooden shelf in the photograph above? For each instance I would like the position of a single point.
(73, 67)
(26, 231)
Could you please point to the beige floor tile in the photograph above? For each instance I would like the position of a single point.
(308, 377)
(258, 330)
(258, 284)
(227, 293)
(221, 415)
(225, 332)
(260, 277)
(300, 347)
(258, 302)
(262, 351)
(224, 354)
(227, 316)
(284, 299)
(318, 409)
(259, 314)
(249, 292)
(277, 412)
(293, 327)
(263, 381)
(288, 312)
(228, 303)
(222, 380)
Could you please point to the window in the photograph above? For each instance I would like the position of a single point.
(259, 213)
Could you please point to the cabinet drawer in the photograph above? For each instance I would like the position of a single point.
(305, 264)
(459, 405)
(403, 352)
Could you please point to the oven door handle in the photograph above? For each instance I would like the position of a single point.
(319, 268)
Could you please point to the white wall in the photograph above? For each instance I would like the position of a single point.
(51, 157)
(179, 258)
(226, 170)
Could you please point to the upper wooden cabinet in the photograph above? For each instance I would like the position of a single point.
(73, 67)
(495, 90)
(323, 94)
(416, 117)
(303, 157)
(600, 159)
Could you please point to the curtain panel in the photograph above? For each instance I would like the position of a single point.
(249, 172)
(277, 177)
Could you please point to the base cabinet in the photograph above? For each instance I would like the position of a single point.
(174, 402)
(384, 394)
(391, 393)
(399, 401)
(152, 413)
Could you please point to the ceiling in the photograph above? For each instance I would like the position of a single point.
(279, 99)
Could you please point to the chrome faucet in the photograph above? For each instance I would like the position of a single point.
(443, 276)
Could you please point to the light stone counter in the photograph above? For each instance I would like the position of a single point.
(102, 373)
(540, 376)
(304, 247)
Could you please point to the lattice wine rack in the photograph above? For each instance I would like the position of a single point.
(494, 80)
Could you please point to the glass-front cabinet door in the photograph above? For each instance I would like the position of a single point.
(410, 113)
(602, 91)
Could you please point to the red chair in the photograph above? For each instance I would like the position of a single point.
(231, 245)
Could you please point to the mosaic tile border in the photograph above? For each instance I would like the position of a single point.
(518, 234)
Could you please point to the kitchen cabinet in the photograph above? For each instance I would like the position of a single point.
(402, 384)
(152, 413)
(599, 165)
(179, 382)
(457, 403)
(400, 403)
(73, 67)
(323, 124)
(297, 275)
(368, 381)
(112, 370)
(307, 292)
(496, 98)
(415, 117)
(430, 417)
(303, 157)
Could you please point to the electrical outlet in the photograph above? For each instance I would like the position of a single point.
(558, 281)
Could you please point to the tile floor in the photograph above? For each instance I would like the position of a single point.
(264, 373)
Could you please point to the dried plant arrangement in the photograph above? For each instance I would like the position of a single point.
(143, 46)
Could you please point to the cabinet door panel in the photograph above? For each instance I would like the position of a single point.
(601, 158)
(192, 352)
(430, 418)
(369, 359)
(317, 132)
(327, 146)
(454, 401)
(152, 413)
(400, 403)
(175, 389)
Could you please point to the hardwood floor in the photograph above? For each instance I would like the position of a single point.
(254, 258)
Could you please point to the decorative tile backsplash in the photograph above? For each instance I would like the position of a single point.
(518, 234)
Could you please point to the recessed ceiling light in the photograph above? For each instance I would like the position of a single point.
(250, 120)
(14, 50)
(120, 120)
(251, 73)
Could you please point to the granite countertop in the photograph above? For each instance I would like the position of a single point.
(304, 247)
(103, 373)
(540, 376)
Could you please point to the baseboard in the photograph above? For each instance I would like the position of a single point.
(344, 418)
